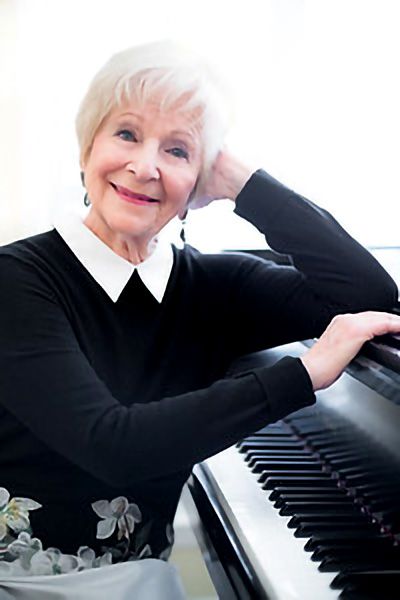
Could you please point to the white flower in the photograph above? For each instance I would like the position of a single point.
(41, 564)
(4, 497)
(102, 561)
(3, 527)
(88, 558)
(24, 547)
(53, 562)
(118, 511)
(14, 513)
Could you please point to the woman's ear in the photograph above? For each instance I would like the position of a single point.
(193, 194)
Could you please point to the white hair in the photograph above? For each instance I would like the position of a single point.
(175, 75)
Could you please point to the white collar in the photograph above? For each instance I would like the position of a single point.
(111, 271)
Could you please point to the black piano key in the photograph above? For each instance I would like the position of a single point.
(281, 465)
(274, 435)
(326, 527)
(364, 478)
(389, 487)
(372, 470)
(329, 444)
(342, 537)
(288, 445)
(364, 549)
(265, 438)
(269, 482)
(311, 498)
(375, 580)
(373, 486)
(273, 432)
(354, 594)
(278, 453)
(277, 426)
(253, 459)
(274, 477)
(354, 563)
(374, 494)
(310, 508)
(378, 504)
(280, 491)
(342, 463)
(344, 454)
(327, 517)
(389, 517)
(309, 431)
(331, 437)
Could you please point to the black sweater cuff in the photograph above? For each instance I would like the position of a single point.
(286, 385)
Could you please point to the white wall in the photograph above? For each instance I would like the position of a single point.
(316, 87)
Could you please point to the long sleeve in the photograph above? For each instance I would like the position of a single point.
(48, 384)
(331, 272)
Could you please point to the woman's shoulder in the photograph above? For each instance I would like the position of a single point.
(32, 255)
(29, 246)
(223, 264)
(224, 257)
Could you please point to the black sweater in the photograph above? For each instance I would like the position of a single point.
(100, 399)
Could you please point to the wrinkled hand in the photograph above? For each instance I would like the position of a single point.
(227, 177)
(341, 341)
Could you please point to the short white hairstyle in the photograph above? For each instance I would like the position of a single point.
(169, 71)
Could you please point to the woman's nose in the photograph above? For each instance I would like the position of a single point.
(144, 163)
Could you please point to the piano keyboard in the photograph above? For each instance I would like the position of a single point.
(311, 504)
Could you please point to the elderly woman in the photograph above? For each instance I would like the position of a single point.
(115, 344)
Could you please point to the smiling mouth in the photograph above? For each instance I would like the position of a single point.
(131, 196)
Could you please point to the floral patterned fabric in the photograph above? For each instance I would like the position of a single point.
(24, 555)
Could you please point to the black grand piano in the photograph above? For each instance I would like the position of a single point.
(308, 508)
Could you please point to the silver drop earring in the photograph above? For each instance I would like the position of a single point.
(86, 199)
(182, 233)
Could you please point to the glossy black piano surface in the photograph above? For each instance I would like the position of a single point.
(309, 508)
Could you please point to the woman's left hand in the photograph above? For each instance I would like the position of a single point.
(228, 175)
(341, 341)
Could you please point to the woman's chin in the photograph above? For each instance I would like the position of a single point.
(132, 226)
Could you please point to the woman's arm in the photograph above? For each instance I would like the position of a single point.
(337, 268)
(47, 383)
(331, 272)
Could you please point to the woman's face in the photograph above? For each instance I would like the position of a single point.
(142, 166)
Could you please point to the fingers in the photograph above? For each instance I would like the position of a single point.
(342, 340)
(365, 325)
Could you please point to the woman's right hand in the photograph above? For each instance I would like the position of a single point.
(341, 341)
(228, 176)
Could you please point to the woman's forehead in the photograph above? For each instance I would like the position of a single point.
(152, 111)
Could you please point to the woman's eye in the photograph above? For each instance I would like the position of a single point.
(126, 135)
(179, 152)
